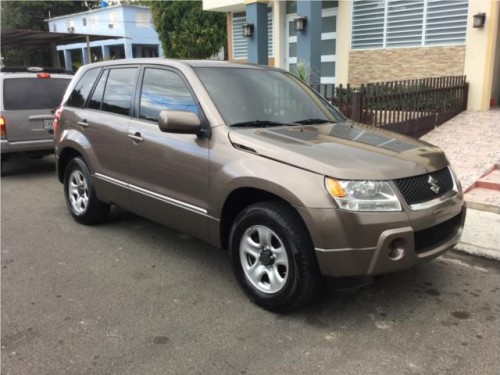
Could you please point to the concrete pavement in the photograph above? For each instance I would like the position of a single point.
(471, 142)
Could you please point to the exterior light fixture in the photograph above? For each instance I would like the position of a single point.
(479, 20)
(300, 23)
(247, 30)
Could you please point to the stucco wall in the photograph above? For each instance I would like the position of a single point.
(405, 63)
(495, 90)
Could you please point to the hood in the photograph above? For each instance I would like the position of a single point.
(342, 150)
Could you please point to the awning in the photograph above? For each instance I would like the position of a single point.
(38, 39)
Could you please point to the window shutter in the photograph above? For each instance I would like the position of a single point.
(405, 23)
(446, 22)
(368, 24)
(405, 19)
(240, 42)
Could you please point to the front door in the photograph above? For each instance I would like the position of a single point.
(168, 173)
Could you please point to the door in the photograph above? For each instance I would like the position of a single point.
(168, 173)
(104, 123)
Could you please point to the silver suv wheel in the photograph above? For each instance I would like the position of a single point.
(78, 192)
(81, 198)
(264, 259)
(273, 257)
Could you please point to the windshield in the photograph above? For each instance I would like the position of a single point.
(246, 96)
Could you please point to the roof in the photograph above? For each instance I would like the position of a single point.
(191, 63)
(37, 38)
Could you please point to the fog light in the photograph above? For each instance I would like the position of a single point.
(396, 249)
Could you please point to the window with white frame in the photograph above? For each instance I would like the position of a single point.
(406, 23)
(240, 42)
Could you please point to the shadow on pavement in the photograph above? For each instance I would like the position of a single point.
(19, 165)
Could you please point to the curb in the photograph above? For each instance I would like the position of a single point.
(480, 235)
(479, 251)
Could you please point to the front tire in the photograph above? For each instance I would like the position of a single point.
(273, 257)
(80, 195)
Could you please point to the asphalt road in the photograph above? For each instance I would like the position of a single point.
(133, 297)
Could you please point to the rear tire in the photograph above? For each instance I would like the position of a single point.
(273, 257)
(80, 195)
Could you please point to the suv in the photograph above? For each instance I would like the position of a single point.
(250, 159)
(29, 97)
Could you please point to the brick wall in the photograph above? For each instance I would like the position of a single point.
(405, 63)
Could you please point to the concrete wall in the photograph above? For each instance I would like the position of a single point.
(480, 55)
(495, 89)
(344, 24)
(224, 5)
(405, 63)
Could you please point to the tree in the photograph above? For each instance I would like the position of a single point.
(186, 31)
(31, 15)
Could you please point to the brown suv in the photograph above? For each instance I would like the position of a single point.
(252, 160)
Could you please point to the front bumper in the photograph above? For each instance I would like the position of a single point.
(367, 243)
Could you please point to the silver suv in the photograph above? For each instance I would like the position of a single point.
(250, 159)
(28, 100)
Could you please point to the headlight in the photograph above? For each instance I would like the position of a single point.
(355, 195)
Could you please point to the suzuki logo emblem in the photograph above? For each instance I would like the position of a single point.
(434, 185)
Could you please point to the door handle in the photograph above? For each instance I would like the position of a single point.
(136, 137)
(84, 124)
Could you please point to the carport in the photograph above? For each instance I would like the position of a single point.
(35, 39)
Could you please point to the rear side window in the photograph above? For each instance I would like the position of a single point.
(164, 89)
(33, 93)
(119, 90)
(96, 99)
(82, 89)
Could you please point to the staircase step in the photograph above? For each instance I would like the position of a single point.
(490, 181)
(483, 199)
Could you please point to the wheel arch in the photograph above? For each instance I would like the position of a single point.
(64, 158)
(237, 201)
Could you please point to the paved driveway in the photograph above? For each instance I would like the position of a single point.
(133, 297)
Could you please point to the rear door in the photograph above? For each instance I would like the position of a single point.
(104, 123)
(29, 103)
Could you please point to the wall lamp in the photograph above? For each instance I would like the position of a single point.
(247, 30)
(300, 23)
(479, 20)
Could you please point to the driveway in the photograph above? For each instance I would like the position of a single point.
(133, 297)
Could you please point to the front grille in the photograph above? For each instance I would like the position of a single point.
(437, 235)
(417, 189)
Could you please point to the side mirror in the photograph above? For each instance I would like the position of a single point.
(179, 122)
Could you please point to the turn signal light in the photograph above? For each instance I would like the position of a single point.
(3, 131)
(334, 188)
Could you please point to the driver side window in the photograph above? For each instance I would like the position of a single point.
(163, 89)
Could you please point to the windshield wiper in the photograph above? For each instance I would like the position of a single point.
(310, 121)
(258, 124)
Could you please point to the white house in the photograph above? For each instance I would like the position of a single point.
(130, 25)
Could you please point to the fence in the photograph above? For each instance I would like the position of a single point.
(412, 107)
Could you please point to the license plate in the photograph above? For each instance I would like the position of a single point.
(48, 124)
